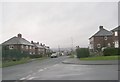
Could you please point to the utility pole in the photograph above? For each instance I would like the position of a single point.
(58, 48)
(72, 43)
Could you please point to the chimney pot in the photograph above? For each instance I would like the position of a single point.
(100, 27)
(41, 44)
(37, 42)
(19, 35)
(32, 42)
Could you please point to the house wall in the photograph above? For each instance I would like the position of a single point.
(116, 39)
(22, 48)
(99, 42)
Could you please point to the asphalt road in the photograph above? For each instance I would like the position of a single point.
(54, 69)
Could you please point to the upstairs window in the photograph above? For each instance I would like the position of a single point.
(22, 46)
(26, 47)
(11, 46)
(116, 33)
(105, 38)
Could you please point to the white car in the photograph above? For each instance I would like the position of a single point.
(54, 55)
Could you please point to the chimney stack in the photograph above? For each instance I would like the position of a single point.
(40, 44)
(100, 27)
(19, 35)
(31, 42)
(37, 42)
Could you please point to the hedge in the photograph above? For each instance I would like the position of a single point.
(14, 54)
(111, 51)
(35, 56)
(82, 52)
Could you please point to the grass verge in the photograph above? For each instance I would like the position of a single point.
(11, 63)
(22, 61)
(101, 58)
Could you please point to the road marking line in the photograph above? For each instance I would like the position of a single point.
(40, 70)
(30, 78)
(56, 65)
(22, 78)
(45, 68)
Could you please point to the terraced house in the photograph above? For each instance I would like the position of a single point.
(103, 39)
(39, 48)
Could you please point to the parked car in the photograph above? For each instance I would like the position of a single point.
(54, 55)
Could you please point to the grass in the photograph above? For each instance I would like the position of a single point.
(22, 61)
(11, 63)
(101, 58)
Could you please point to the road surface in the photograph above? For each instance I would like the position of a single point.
(54, 69)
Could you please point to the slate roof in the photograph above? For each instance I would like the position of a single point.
(37, 45)
(103, 32)
(116, 29)
(17, 40)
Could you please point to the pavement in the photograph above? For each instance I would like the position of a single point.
(82, 62)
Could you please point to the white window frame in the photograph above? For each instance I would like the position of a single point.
(98, 45)
(30, 47)
(116, 33)
(22, 46)
(116, 44)
(26, 47)
(11, 46)
(109, 45)
(105, 37)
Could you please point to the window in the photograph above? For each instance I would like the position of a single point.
(116, 44)
(116, 33)
(105, 38)
(26, 47)
(11, 46)
(98, 46)
(109, 45)
(33, 47)
(22, 46)
(30, 47)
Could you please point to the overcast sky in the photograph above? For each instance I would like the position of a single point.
(57, 23)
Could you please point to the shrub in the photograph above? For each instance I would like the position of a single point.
(111, 51)
(82, 52)
(35, 56)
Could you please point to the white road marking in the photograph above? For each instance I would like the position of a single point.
(45, 68)
(22, 78)
(40, 70)
(30, 78)
(56, 65)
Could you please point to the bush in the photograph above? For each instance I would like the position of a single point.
(82, 52)
(35, 56)
(111, 51)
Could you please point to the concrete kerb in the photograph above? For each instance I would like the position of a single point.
(79, 62)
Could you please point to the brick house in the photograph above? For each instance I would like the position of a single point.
(100, 40)
(116, 37)
(19, 43)
(39, 49)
